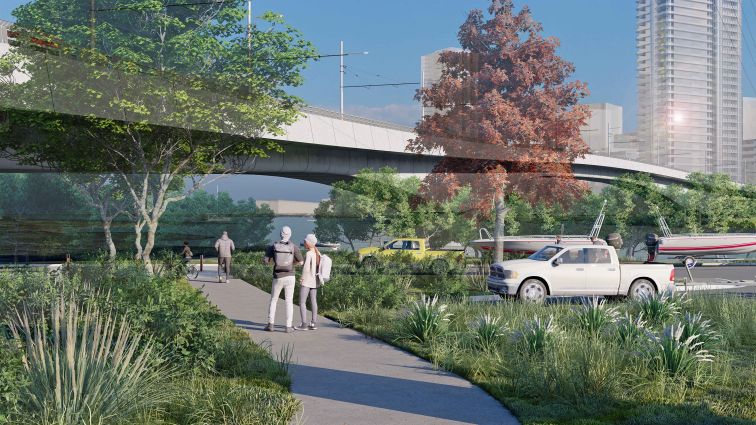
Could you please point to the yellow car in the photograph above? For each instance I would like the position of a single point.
(415, 248)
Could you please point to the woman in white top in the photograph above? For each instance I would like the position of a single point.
(309, 282)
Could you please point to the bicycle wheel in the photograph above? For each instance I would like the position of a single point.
(192, 272)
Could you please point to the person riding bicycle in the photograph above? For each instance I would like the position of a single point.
(186, 253)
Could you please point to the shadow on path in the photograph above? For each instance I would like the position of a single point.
(415, 397)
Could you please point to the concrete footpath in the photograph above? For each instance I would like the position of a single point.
(343, 377)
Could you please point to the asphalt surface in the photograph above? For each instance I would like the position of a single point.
(343, 377)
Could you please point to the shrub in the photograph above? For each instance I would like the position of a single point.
(425, 320)
(676, 356)
(202, 400)
(661, 307)
(536, 334)
(488, 332)
(365, 290)
(12, 378)
(87, 367)
(594, 315)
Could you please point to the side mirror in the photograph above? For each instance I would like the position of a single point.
(557, 262)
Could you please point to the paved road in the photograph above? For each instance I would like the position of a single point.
(720, 272)
(343, 377)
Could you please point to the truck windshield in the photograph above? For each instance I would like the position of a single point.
(545, 253)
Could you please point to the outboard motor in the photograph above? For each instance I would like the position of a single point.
(652, 242)
(615, 240)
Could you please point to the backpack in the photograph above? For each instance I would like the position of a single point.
(324, 272)
(283, 257)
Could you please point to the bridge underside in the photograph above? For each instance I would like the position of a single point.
(327, 165)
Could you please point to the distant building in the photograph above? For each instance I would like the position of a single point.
(430, 72)
(17, 77)
(603, 126)
(749, 139)
(629, 146)
(689, 83)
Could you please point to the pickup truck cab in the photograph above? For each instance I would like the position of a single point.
(417, 248)
(578, 270)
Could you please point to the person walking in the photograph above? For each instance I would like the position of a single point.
(224, 246)
(284, 255)
(309, 284)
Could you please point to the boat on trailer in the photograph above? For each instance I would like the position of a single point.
(697, 245)
(528, 244)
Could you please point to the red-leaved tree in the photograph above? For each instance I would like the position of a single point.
(508, 120)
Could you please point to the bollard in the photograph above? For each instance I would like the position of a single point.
(202, 262)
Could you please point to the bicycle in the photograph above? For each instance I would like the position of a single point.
(191, 271)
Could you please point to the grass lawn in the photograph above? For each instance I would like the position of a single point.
(589, 364)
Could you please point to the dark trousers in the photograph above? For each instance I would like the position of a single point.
(224, 263)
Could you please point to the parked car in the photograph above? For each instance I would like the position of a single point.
(582, 270)
(417, 249)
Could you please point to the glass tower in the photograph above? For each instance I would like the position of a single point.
(689, 83)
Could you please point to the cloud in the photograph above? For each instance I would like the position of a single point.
(403, 114)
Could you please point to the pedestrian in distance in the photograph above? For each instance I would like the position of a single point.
(224, 246)
(309, 282)
(284, 255)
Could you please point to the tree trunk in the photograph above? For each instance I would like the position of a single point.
(501, 209)
(147, 252)
(138, 226)
(109, 239)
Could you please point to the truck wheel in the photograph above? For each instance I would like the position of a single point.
(440, 267)
(532, 290)
(370, 264)
(641, 288)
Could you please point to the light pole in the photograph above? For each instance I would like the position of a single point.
(342, 71)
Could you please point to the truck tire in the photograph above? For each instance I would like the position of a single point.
(532, 290)
(641, 288)
(440, 267)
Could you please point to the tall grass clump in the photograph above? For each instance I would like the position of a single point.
(660, 308)
(630, 328)
(84, 366)
(536, 334)
(488, 332)
(425, 320)
(676, 355)
(593, 315)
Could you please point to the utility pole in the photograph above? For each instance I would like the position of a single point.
(341, 77)
(249, 28)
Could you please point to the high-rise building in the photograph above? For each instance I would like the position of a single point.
(689, 83)
(430, 72)
(749, 140)
(603, 126)
(4, 27)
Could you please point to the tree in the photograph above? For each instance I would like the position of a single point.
(382, 203)
(150, 93)
(509, 118)
(202, 217)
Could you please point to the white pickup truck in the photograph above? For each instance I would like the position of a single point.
(578, 270)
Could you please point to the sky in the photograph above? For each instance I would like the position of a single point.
(597, 36)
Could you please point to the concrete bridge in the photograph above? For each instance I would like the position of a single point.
(323, 146)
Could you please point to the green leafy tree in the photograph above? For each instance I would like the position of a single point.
(151, 93)
(201, 218)
(383, 204)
